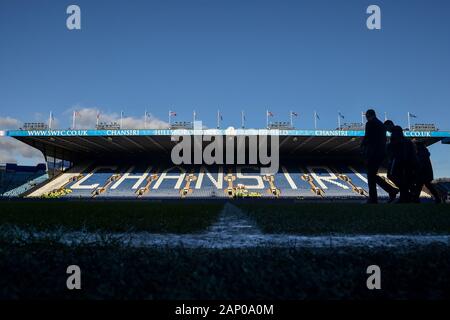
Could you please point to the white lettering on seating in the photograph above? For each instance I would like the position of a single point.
(258, 178)
(359, 175)
(330, 179)
(179, 177)
(77, 185)
(140, 178)
(288, 177)
(217, 183)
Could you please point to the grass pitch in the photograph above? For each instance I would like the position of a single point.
(120, 216)
(193, 217)
(348, 218)
(38, 271)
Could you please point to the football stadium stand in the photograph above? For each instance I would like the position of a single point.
(16, 180)
(314, 164)
(443, 187)
(147, 181)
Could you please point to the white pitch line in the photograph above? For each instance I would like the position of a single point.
(232, 230)
(145, 239)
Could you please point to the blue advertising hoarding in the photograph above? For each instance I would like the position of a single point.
(230, 131)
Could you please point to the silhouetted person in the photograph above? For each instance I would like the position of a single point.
(374, 150)
(389, 125)
(403, 163)
(424, 174)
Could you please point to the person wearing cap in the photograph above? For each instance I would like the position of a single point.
(374, 150)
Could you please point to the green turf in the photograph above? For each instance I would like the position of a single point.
(340, 218)
(110, 216)
(38, 271)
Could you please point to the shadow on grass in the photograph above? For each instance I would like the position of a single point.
(38, 271)
(110, 216)
(345, 218)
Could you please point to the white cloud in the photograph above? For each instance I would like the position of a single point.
(11, 149)
(87, 118)
(8, 123)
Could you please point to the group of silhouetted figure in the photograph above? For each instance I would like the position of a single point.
(407, 161)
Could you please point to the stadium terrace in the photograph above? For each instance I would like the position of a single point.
(137, 163)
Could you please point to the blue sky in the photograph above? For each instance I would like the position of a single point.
(228, 54)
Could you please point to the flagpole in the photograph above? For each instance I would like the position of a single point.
(145, 119)
(315, 120)
(362, 117)
(121, 119)
(73, 120)
(50, 121)
(218, 119)
(339, 121)
(193, 117)
(242, 119)
(267, 119)
(409, 121)
(290, 114)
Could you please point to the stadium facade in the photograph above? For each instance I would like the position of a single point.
(133, 163)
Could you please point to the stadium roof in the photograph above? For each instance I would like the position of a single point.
(76, 144)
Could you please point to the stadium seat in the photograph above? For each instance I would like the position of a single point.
(16, 180)
(143, 180)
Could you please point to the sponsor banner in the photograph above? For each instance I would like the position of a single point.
(229, 131)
